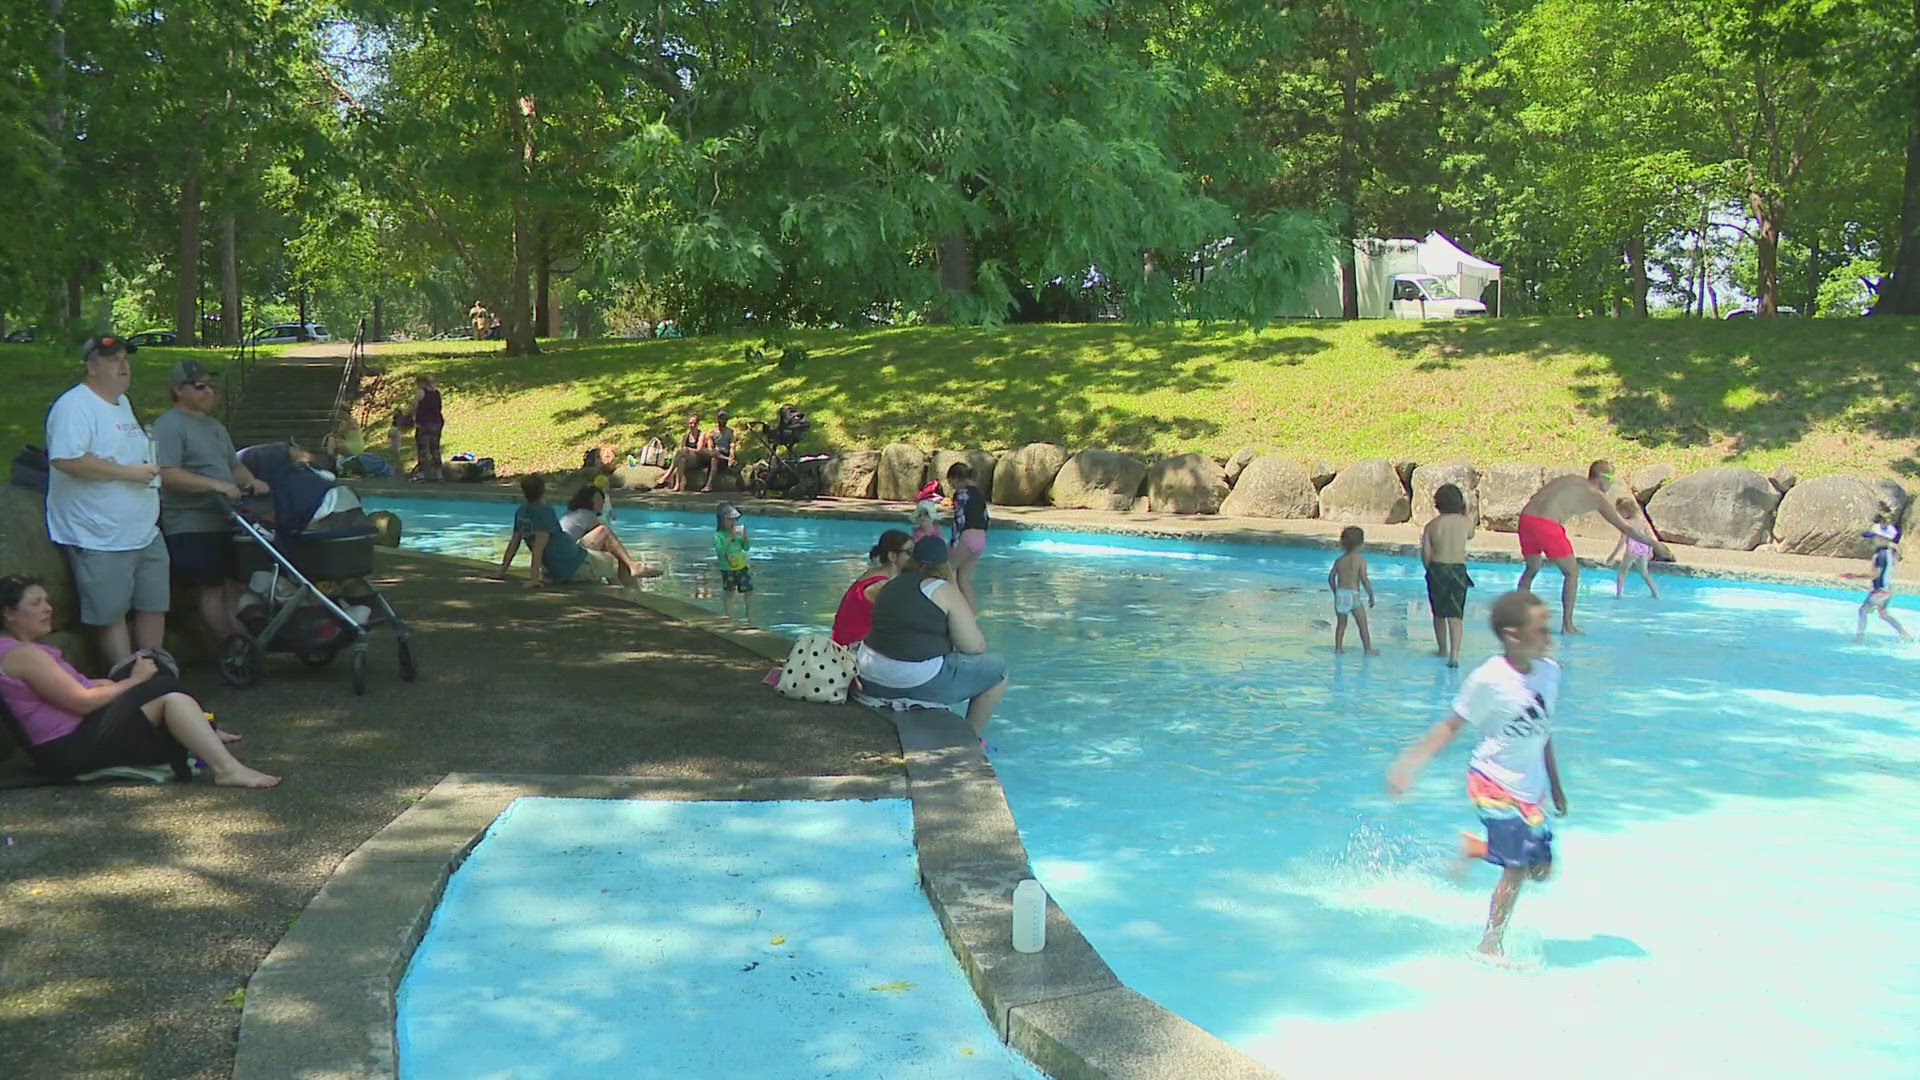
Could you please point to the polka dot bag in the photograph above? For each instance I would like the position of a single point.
(817, 670)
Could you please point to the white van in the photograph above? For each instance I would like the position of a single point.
(1424, 296)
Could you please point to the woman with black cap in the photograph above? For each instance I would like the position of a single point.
(926, 646)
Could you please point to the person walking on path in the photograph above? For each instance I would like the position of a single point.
(103, 504)
(199, 477)
(1543, 532)
(428, 423)
(1509, 702)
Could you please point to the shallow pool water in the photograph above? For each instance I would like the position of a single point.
(1199, 782)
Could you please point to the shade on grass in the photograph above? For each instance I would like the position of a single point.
(1824, 395)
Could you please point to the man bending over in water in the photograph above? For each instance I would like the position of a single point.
(1543, 532)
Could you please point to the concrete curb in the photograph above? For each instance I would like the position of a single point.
(322, 1005)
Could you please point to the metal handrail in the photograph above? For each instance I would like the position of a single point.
(349, 377)
(234, 379)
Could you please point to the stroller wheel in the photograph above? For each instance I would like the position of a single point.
(408, 672)
(241, 661)
(318, 658)
(757, 486)
(360, 669)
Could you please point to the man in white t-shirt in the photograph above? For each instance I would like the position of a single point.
(1509, 701)
(103, 504)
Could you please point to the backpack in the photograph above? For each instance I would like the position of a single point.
(30, 468)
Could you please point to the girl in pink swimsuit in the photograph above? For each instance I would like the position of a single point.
(1630, 553)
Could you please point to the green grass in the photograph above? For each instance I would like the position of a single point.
(1824, 396)
(37, 374)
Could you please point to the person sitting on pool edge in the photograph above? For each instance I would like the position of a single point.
(925, 644)
(555, 555)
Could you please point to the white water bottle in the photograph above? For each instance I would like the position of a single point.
(153, 458)
(1029, 917)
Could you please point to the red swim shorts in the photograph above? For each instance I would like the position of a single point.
(1544, 536)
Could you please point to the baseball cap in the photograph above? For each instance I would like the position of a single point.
(722, 415)
(106, 343)
(725, 512)
(190, 371)
(930, 551)
(1883, 531)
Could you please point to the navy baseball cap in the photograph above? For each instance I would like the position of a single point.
(930, 551)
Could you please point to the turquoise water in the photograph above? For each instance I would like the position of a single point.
(637, 939)
(1199, 781)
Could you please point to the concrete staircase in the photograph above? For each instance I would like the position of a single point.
(285, 399)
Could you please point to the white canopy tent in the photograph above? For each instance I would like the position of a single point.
(1442, 257)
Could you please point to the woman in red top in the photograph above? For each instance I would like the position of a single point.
(855, 617)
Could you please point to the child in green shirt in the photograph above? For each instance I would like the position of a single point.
(730, 544)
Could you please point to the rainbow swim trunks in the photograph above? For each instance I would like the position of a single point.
(1517, 830)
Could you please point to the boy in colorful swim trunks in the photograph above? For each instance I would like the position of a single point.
(1543, 532)
(1443, 548)
(730, 544)
(1509, 701)
(1880, 582)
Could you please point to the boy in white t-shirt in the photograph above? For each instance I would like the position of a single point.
(1509, 701)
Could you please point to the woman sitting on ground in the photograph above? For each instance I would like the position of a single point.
(585, 521)
(75, 725)
(925, 645)
(885, 561)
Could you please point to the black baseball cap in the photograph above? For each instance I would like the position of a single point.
(190, 371)
(106, 343)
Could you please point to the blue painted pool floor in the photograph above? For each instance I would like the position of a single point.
(637, 939)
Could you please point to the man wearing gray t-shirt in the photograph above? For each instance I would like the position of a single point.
(199, 478)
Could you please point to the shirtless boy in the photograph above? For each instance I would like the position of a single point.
(1348, 578)
(1543, 533)
(1443, 550)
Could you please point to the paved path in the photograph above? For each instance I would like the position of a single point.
(130, 914)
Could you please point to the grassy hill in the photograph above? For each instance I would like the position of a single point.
(1823, 395)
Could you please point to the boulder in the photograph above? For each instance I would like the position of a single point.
(1723, 507)
(639, 478)
(1592, 524)
(1274, 487)
(1098, 480)
(1783, 478)
(854, 474)
(982, 462)
(1241, 458)
(1505, 487)
(27, 550)
(903, 468)
(386, 528)
(1827, 514)
(1366, 493)
(1186, 484)
(1910, 533)
(1021, 477)
(1320, 471)
(1428, 478)
(1649, 479)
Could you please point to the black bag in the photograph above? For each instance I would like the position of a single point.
(30, 468)
(477, 470)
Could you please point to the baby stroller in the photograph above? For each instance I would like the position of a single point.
(784, 471)
(318, 533)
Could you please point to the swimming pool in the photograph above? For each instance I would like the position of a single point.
(1199, 781)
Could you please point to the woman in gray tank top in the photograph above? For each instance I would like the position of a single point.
(925, 647)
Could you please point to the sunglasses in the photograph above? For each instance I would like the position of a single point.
(199, 385)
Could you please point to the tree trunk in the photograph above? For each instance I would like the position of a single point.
(74, 281)
(1348, 186)
(186, 296)
(519, 327)
(955, 259)
(1900, 292)
(1766, 241)
(1812, 306)
(543, 291)
(379, 324)
(229, 281)
(1637, 272)
(300, 297)
(554, 321)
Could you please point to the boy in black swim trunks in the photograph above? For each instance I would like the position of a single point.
(1443, 548)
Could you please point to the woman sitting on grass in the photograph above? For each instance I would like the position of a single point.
(75, 725)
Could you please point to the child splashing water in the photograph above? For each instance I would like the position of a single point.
(1880, 582)
(969, 528)
(1509, 701)
(1346, 579)
(1630, 554)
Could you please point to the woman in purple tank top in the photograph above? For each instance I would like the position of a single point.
(427, 424)
(73, 725)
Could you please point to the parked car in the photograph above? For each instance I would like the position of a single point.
(151, 337)
(1784, 311)
(288, 333)
(22, 336)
